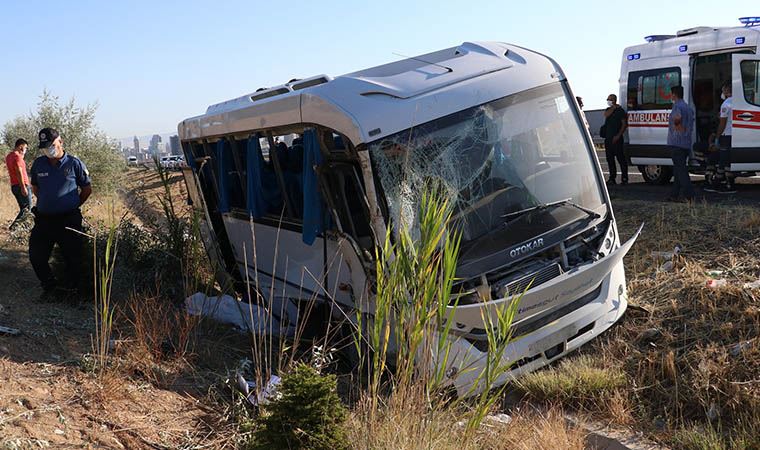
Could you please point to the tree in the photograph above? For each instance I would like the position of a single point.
(81, 137)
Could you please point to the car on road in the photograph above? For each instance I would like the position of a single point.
(132, 161)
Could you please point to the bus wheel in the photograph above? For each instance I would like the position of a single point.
(656, 174)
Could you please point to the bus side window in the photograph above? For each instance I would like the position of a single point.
(235, 186)
(289, 153)
(347, 194)
(271, 192)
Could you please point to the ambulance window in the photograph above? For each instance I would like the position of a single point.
(751, 81)
(650, 89)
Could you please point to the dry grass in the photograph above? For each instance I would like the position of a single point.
(161, 339)
(690, 352)
(403, 423)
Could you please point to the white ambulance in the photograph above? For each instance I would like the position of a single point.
(700, 59)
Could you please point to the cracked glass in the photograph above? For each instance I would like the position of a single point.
(502, 157)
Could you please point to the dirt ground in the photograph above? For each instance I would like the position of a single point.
(48, 397)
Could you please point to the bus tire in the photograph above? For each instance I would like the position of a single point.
(656, 174)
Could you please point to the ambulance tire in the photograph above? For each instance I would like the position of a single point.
(656, 174)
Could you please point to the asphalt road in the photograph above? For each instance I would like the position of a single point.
(748, 189)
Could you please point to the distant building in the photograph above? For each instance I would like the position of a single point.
(137, 146)
(174, 145)
(154, 141)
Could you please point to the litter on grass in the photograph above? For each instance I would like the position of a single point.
(719, 283)
(264, 396)
(667, 256)
(9, 331)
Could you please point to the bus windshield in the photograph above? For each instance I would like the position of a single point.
(493, 161)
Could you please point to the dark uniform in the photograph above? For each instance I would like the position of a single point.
(615, 150)
(56, 216)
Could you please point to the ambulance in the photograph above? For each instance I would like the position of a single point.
(700, 59)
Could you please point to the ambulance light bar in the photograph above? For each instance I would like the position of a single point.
(658, 37)
(750, 21)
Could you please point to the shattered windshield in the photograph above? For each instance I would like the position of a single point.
(492, 160)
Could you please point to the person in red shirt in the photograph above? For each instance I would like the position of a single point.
(19, 179)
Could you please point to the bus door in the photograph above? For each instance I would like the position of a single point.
(745, 141)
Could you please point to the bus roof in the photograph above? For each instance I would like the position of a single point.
(694, 41)
(369, 104)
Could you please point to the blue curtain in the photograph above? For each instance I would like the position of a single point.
(189, 158)
(313, 220)
(221, 169)
(254, 189)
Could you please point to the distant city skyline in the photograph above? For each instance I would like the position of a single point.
(235, 52)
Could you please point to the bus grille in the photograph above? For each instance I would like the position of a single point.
(533, 280)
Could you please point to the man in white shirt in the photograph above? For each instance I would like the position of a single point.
(723, 142)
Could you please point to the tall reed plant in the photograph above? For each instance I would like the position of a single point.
(409, 333)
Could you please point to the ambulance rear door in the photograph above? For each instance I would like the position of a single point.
(745, 142)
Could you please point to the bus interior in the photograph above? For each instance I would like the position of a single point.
(280, 155)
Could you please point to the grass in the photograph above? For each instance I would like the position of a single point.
(691, 353)
(682, 366)
(576, 380)
(403, 423)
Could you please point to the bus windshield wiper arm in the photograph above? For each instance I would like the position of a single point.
(593, 214)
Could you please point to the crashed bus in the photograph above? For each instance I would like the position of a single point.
(299, 184)
(700, 59)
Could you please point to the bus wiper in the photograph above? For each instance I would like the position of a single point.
(541, 206)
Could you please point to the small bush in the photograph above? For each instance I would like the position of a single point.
(575, 380)
(307, 415)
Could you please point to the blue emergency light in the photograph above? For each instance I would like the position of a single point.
(683, 48)
(658, 37)
(750, 21)
(634, 56)
(739, 40)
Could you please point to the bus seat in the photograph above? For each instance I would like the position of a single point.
(339, 145)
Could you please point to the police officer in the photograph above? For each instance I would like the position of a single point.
(61, 184)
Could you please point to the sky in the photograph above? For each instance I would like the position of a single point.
(150, 64)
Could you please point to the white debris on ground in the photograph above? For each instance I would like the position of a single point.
(264, 396)
(246, 317)
(667, 257)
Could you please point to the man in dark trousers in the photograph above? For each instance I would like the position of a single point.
(20, 188)
(615, 123)
(61, 184)
(680, 127)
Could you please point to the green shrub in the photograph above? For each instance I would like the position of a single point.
(307, 414)
(81, 138)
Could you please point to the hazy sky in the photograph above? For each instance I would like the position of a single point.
(150, 64)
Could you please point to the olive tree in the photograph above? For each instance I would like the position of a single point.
(81, 137)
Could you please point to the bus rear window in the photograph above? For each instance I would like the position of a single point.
(650, 89)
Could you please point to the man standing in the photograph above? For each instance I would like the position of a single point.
(680, 126)
(615, 124)
(19, 179)
(61, 184)
(723, 142)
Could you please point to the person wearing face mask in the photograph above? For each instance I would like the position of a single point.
(723, 142)
(680, 127)
(615, 123)
(61, 184)
(19, 180)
